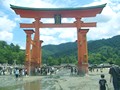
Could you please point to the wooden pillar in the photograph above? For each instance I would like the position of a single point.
(79, 45)
(83, 33)
(35, 56)
(28, 50)
(82, 48)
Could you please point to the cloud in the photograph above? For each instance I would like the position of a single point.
(107, 22)
(6, 36)
(48, 39)
(57, 35)
(47, 31)
(6, 24)
(29, 3)
(68, 33)
(6, 28)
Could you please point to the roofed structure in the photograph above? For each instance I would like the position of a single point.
(27, 12)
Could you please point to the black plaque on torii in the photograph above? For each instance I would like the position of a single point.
(57, 18)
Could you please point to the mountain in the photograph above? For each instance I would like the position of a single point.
(113, 42)
(59, 50)
(103, 50)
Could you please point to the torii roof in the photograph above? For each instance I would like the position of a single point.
(27, 12)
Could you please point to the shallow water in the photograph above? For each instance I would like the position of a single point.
(35, 85)
(47, 83)
(62, 80)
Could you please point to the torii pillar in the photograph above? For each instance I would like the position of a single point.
(28, 50)
(82, 48)
(35, 55)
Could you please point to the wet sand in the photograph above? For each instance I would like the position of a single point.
(62, 80)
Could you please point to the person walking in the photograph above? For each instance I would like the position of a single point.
(16, 73)
(103, 82)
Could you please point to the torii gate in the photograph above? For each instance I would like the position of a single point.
(33, 57)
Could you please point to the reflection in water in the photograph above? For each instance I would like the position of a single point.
(32, 86)
(35, 85)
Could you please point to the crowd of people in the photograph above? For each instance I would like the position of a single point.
(20, 72)
(16, 71)
(114, 72)
(45, 70)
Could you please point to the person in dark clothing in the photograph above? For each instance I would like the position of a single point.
(114, 77)
(102, 82)
(71, 70)
(75, 70)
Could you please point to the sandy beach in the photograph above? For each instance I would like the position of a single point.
(62, 80)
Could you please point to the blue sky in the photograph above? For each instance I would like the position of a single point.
(108, 22)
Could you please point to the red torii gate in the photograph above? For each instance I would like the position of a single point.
(33, 57)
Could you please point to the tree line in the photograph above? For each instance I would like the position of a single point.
(99, 51)
(10, 53)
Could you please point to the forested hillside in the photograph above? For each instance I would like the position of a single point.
(105, 50)
(100, 51)
(62, 53)
(11, 53)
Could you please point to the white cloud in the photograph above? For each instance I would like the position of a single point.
(29, 3)
(108, 11)
(6, 28)
(6, 36)
(57, 36)
(47, 31)
(48, 20)
(68, 33)
(6, 24)
(48, 39)
(68, 20)
(107, 22)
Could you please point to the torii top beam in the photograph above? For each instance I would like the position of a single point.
(27, 12)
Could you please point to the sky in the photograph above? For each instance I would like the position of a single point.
(108, 22)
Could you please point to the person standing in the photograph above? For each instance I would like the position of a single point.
(71, 70)
(16, 73)
(21, 73)
(114, 77)
(102, 82)
(26, 72)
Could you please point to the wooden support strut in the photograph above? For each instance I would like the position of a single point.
(84, 50)
(28, 51)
